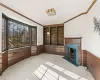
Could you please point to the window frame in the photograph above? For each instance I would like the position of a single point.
(31, 35)
(5, 33)
(21, 23)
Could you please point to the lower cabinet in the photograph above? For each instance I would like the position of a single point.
(0, 68)
(0, 64)
(54, 49)
(33, 50)
(12, 56)
(17, 55)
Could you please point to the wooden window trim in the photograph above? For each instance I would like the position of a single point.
(29, 26)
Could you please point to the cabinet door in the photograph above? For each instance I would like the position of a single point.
(60, 35)
(0, 64)
(53, 35)
(46, 36)
(33, 50)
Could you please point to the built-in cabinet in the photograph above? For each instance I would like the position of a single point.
(54, 35)
(54, 39)
(0, 63)
(15, 55)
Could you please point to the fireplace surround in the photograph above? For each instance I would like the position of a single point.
(72, 53)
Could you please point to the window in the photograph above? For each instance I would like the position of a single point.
(27, 38)
(54, 35)
(3, 33)
(34, 38)
(11, 35)
(19, 34)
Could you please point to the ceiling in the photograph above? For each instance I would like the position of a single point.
(36, 9)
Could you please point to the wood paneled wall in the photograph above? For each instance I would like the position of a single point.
(33, 50)
(40, 49)
(0, 64)
(93, 64)
(54, 49)
(17, 55)
(84, 58)
(13, 56)
(4, 61)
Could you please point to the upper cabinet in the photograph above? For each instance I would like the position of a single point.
(54, 35)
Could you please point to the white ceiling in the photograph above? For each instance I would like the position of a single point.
(36, 9)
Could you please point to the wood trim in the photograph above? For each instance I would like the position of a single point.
(1, 4)
(83, 13)
(54, 25)
(73, 37)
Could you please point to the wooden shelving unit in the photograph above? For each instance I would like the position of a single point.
(46, 36)
(54, 39)
(60, 35)
(55, 36)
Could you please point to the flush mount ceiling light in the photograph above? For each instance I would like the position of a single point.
(51, 12)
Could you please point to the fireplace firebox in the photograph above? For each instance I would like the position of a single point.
(72, 54)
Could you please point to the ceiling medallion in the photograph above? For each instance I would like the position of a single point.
(51, 12)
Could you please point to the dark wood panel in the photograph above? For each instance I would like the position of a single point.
(0, 63)
(54, 49)
(93, 64)
(39, 49)
(17, 55)
(27, 52)
(84, 58)
(0, 69)
(0, 58)
(33, 50)
(4, 61)
(13, 56)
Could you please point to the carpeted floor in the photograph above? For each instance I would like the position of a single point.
(46, 67)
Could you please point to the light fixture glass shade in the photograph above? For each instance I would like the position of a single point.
(48, 33)
(51, 12)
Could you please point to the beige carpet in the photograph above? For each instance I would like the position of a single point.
(46, 67)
